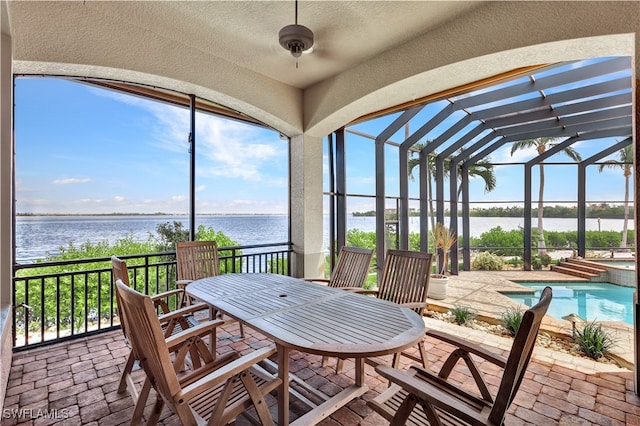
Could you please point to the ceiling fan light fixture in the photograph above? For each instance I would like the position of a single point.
(296, 39)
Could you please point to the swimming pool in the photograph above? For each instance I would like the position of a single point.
(592, 301)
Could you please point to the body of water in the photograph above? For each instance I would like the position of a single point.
(37, 235)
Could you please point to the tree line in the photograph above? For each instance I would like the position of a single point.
(602, 210)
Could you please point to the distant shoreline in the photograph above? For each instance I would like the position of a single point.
(145, 214)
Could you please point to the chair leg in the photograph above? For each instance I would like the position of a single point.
(156, 411)
(184, 299)
(423, 355)
(262, 409)
(404, 411)
(126, 373)
(138, 412)
(395, 363)
(339, 363)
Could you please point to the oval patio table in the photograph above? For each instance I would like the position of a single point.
(315, 319)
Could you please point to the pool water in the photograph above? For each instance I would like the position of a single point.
(592, 301)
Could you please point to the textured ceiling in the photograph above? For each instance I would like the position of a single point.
(369, 56)
(244, 33)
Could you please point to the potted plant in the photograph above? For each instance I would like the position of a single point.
(443, 240)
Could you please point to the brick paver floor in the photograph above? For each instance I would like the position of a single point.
(75, 383)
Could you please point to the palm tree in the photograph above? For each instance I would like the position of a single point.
(541, 145)
(482, 169)
(625, 163)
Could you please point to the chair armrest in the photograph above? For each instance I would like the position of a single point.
(162, 300)
(317, 280)
(183, 283)
(199, 330)
(166, 294)
(415, 305)
(365, 291)
(178, 313)
(353, 289)
(466, 346)
(428, 392)
(224, 373)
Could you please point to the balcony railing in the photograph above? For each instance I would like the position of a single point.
(56, 301)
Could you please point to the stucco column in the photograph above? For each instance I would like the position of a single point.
(306, 206)
(636, 190)
(6, 209)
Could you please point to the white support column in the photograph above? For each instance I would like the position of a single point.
(6, 209)
(306, 206)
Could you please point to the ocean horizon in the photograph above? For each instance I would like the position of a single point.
(37, 235)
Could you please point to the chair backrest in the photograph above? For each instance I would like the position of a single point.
(197, 259)
(405, 278)
(352, 267)
(120, 272)
(519, 357)
(146, 337)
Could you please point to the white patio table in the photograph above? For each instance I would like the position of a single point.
(315, 319)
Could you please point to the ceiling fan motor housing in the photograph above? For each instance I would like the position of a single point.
(296, 39)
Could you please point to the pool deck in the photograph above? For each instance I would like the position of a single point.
(481, 290)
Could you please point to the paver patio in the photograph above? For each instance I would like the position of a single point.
(77, 380)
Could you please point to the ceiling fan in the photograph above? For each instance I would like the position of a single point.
(296, 38)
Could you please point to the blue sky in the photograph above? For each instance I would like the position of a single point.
(85, 150)
(81, 149)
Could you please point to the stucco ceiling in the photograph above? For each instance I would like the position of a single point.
(368, 56)
(244, 33)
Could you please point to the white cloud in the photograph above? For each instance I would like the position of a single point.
(68, 181)
(200, 188)
(118, 198)
(231, 149)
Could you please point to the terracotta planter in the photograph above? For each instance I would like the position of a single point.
(438, 286)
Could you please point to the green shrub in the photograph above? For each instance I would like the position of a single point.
(603, 239)
(170, 233)
(545, 259)
(538, 261)
(93, 293)
(358, 238)
(536, 264)
(593, 341)
(486, 261)
(565, 239)
(514, 261)
(511, 243)
(462, 314)
(511, 319)
(500, 242)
